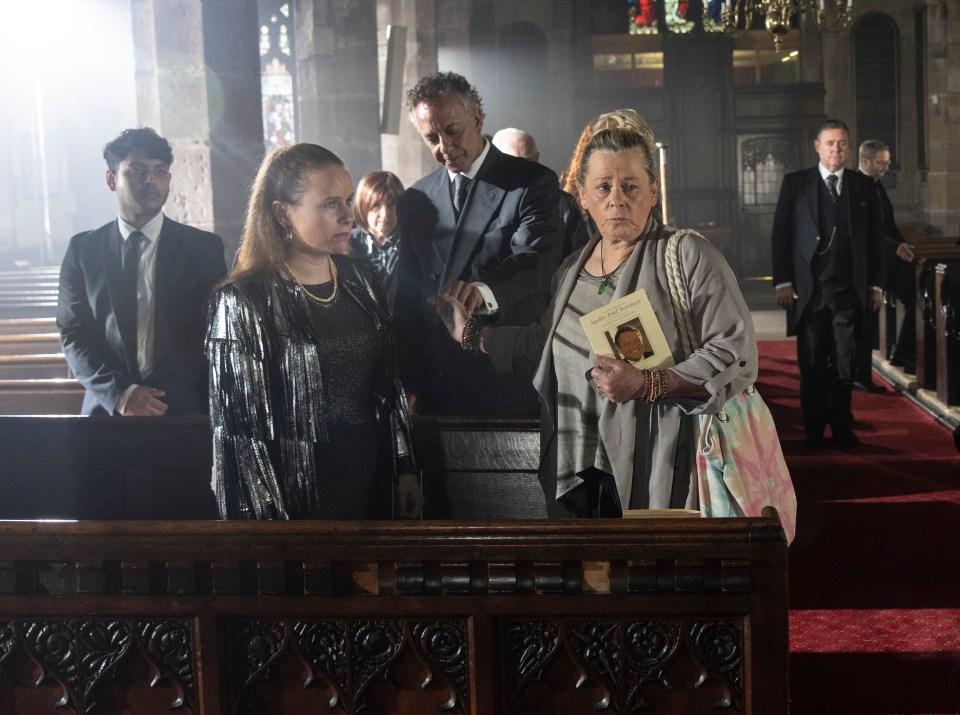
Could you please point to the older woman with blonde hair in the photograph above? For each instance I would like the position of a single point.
(614, 436)
(309, 418)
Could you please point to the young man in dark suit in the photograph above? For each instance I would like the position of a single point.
(826, 270)
(133, 293)
(484, 225)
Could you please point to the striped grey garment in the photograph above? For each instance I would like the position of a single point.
(579, 446)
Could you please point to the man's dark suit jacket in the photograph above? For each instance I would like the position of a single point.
(508, 237)
(796, 236)
(189, 263)
(897, 274)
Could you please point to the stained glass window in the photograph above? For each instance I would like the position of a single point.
(712, 22)
(643, 17)
(763, 163)
(678, 16)
(277, 75)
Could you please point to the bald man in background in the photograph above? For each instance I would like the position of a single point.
(520, 143)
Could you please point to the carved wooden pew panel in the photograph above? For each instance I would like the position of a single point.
(925, 247)
(928, 256)
(947, 288)
(663, 615)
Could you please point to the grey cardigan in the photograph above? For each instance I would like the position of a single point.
(646, 444)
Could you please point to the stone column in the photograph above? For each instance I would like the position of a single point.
(942, 110)
(198, 85)
(339, 105)
(405, 154)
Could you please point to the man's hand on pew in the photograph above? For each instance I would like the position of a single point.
(145, 402)
(905, 252)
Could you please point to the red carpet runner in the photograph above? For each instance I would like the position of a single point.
(875, 568)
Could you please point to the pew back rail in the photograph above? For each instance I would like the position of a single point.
(664, 615)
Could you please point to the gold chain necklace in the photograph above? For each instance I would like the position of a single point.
(325, 302)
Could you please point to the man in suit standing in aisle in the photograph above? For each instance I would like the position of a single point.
(484, 225)
(133, 293)
(826, 270)
(897, 262)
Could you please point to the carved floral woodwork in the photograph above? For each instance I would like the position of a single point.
(469, 617)
(76, 659)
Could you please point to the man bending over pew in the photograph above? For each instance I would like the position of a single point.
(132, 301)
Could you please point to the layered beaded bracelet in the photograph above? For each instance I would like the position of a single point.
(470, 338)
(654, 386)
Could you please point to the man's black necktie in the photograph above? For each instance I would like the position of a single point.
(832, 187)
(461, 185)
(128, 285)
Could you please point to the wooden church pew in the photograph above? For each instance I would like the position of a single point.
(926, 347)
(25, 367)
(479, 617)
(30, 344)
(43, 396)
(947, 289)
(20, 326)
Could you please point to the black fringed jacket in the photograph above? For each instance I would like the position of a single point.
(266, 397)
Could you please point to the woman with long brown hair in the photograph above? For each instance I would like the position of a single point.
(309, 418)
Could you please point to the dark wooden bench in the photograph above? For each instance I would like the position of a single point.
(485, 618)
(480, 468)
(947, 289)
(141, 468)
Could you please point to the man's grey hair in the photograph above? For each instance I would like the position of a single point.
(435, 86)
(869, 149)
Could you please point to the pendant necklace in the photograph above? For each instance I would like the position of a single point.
(606, 276)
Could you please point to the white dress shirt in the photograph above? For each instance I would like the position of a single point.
(146, 295)
(490, 305)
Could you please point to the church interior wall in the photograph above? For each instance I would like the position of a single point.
(198, 85)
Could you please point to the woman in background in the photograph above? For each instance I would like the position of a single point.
(374, 238)
(309, 418)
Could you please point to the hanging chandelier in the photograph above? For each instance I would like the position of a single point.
(777, 15)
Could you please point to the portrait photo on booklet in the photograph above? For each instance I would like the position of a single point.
(627, 329)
